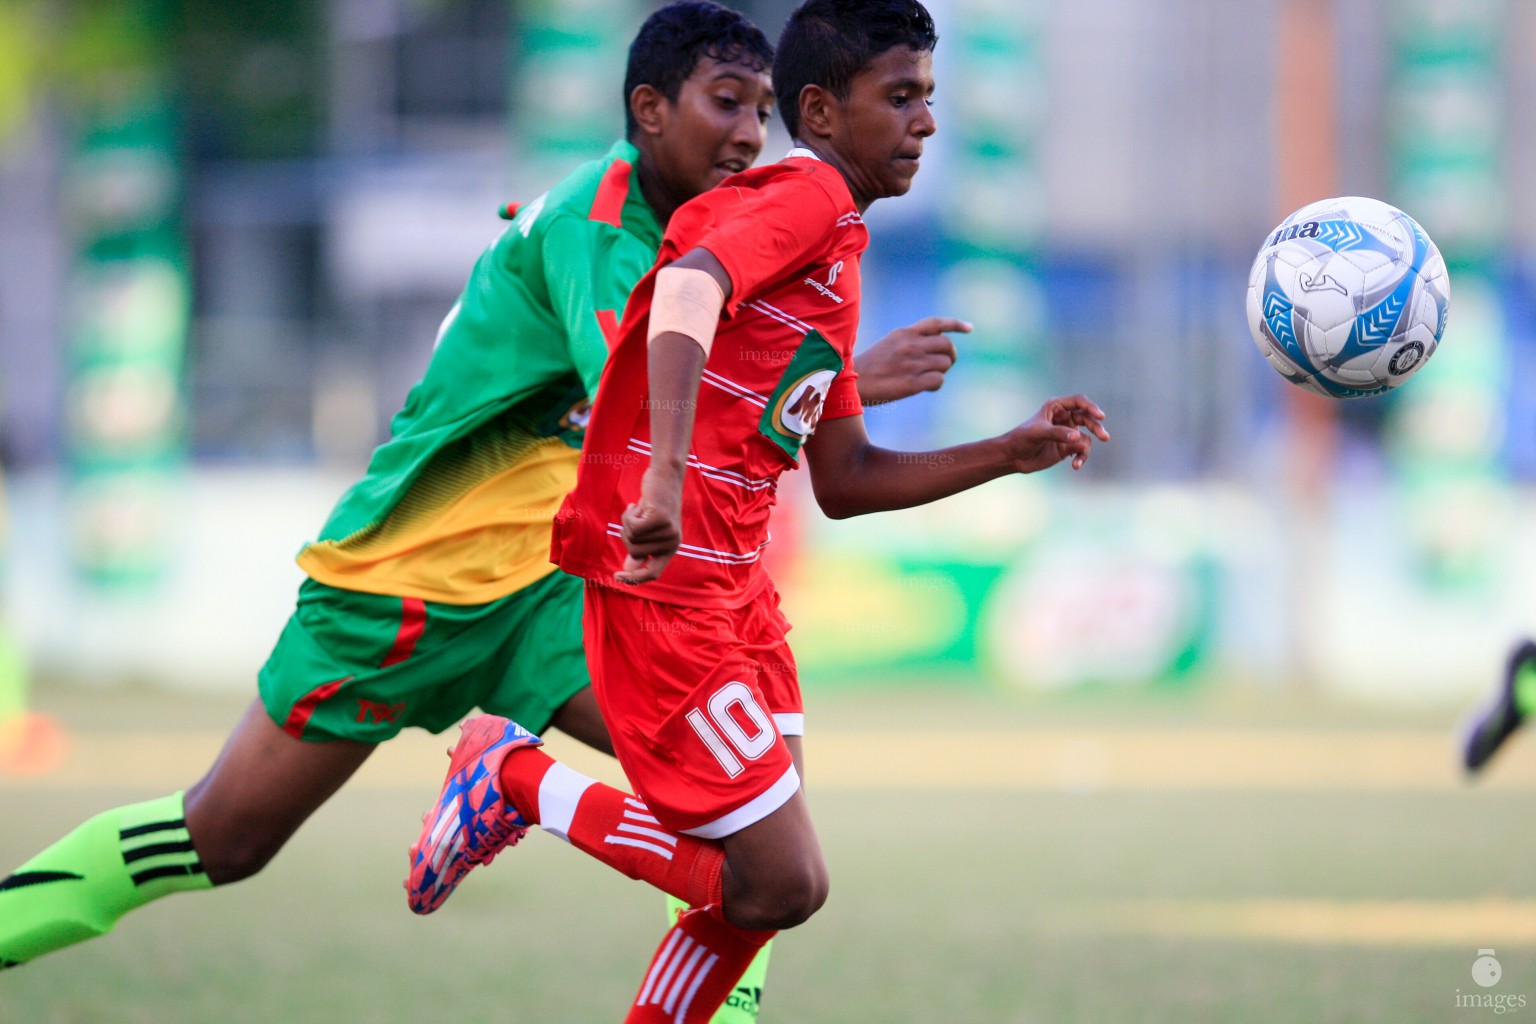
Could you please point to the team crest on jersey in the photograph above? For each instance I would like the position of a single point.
(796, 405)
(578, 416)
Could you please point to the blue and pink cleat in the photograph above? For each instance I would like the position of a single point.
(471, 822)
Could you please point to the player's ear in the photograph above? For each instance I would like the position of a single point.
(648, 105)
(818, 111)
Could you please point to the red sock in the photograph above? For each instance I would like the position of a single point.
(613, 826)
(695, 969)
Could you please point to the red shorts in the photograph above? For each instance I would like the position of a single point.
(698, 702)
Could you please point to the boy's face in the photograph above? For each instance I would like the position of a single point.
(885, 120)
(717, 126)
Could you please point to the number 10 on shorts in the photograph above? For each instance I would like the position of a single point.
(723, 732)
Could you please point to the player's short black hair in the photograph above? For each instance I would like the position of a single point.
(671, 42)
(828, 42)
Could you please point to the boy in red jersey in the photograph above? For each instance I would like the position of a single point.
(745, 327)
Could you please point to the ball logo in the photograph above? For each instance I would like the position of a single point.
(1406, 358)
(1486, 970)
(799, 407)
(1321, 283)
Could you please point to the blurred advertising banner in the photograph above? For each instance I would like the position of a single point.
(1022, 585)
(1447, 115)
(568, 61)
(1164, 588)
(992, 211)
(129, 301)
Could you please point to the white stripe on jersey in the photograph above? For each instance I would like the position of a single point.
(730, 387)
(775, 313)
(727, 476)
(703, 554)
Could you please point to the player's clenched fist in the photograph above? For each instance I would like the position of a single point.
(650, 528)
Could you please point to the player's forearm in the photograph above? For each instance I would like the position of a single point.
(879, 480)
(675, 364)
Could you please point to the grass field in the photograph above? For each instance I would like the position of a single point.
(1220, 859)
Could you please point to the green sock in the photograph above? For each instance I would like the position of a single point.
(78, 887)
(1525, 688)
(741, 1005)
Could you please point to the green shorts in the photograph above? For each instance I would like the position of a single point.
(358, 666)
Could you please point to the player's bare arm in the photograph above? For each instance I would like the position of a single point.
(852, 477)
(909, 360)
(674, 363)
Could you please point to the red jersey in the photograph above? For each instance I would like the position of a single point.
(790, 238)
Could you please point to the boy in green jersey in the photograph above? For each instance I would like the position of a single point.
(430, 592)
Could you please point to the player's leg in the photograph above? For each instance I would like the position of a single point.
(224, 829)
(774, 877)
(267, 781)
(263, 786)
(1511, 704)
(500, 785)
(553, 660)
(77, 888)
(580, 719)
(763, 627)
(745, 1000)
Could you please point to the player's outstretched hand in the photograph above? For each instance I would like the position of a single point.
(909, 360)
(1063, 428)
(651, 529)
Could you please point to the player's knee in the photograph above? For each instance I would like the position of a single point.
(232, 857)
(230, 850)
(789, 899)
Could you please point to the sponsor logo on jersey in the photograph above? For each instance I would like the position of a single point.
(378, 712)
(798, 410)
(826, 289)
(796, 405)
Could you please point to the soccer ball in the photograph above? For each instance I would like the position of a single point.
(1348, 297)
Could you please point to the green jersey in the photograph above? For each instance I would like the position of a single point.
(457, 506)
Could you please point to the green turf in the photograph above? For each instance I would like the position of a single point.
(955, 907)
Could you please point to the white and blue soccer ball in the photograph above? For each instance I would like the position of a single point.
(1348, 297)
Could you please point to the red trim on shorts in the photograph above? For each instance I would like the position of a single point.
(608, 204)
(608, 323)
(298, 716)
(413, 622)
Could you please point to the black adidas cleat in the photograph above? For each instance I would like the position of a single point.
(1490, 727)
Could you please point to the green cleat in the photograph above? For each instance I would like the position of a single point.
(1494, 724)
